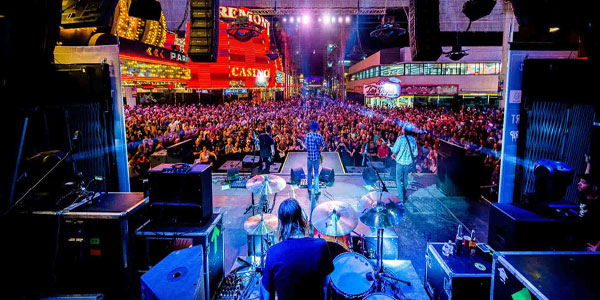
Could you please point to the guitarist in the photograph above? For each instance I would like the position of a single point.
(404, 153)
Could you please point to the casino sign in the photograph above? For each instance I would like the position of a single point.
(229, 14)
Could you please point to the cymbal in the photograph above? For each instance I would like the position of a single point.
(383, 216)
(334, 218)
(255, 226)
(369, 200)
(265, 184)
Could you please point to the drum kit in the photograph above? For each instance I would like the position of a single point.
(354, 276)
(264, 224)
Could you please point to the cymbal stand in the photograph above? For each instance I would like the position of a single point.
(380, 276)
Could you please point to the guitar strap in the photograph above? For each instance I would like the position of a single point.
(410, 148)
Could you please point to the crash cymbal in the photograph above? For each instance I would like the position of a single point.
(383, 216)
(265, 184)
(369, 200)
(254, 225)
(334, 218)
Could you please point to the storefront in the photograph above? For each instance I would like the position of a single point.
(439, 83)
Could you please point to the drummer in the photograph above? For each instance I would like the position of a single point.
(298, 267)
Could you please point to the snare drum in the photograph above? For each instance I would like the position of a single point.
(349, 277)
(379, 296)
(343, 240)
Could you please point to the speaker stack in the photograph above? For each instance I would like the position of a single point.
(424, 29)
(204, 30)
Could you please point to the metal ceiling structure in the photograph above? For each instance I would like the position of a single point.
(451, 17)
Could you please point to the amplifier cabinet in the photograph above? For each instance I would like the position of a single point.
(545, 275)
(456, 277)
(512, 228)
(181, 193)
(159, 239)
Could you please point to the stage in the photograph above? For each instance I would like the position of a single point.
(429, 215)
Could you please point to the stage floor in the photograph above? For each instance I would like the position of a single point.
(429, 215)
(331, 160)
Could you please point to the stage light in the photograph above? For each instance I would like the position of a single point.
(292, 20)
(347, 19)
(305, 19)
(332, 19)
(298, 19)
(340, 19)
(326, 19)
(553, 29)
(319, 20)
(284, 19)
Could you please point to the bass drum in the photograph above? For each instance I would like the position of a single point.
(349, 277)
(379, 296)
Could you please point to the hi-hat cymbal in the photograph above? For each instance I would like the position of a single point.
(254, 225)
(369, 200)
(334, 218)
(383, 216)
(265, 184)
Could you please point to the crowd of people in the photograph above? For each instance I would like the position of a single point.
(359, 134)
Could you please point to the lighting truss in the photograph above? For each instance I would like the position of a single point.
(317, 11)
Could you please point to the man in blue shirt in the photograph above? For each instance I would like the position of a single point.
(404, 153)
(314, 143)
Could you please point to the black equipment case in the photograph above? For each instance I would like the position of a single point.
(546, 275)
(457, 276)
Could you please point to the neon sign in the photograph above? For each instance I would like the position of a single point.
(249, 72)
(231, 13)
(382, 89)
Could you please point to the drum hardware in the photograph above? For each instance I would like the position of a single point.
(264, 185)
(381, 210)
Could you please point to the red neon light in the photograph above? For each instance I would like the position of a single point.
(137, 78)
(150, 60)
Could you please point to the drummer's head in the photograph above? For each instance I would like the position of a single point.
(291, 221)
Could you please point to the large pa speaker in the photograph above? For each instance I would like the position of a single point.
(327, 175)
(180, 275)
(145, 9)
(296, 175)
(424, 29)
(204, 30)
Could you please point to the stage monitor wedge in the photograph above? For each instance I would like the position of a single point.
(204, 30)
(424, 29)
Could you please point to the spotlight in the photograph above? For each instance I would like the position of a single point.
(292, 20)
(298, 19)
(284, 19)
(326, 19)
(319, 20)
(340, 19)
(332, 19)
(347, 19)
(305, 19)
